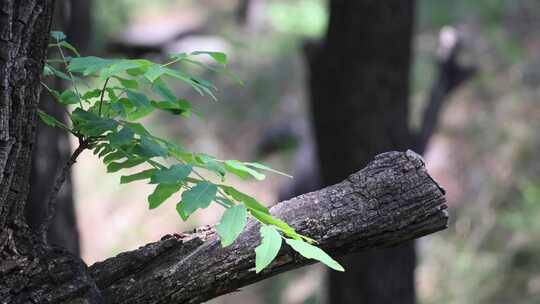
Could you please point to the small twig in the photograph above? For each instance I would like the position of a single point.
(59, 181)
(173, 61)
(102, 94)
(55, 97)
(69, 72)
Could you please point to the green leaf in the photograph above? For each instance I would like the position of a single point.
(47, 70)
(88, 65)
(267, 251)
(178, 75)
(143, 66)
(49, 120)
(91, 94)
(211, 164)
(90, 124)
(223, 70)
(264, 167)
(161, 193)
(118, 67)
(150, 148)
(161, 88)
(137, 128)
(68, 97)
(180, 107)
(139, 113)
(197, 197)
(112, 95)
(121, 137)
(199, 85)
(50, 70)
(70, 47)
(154, 72)
(232, 223)
(138, 99)
(268, 219)
(127, 83)
(173, 175)
(219, 57)
(179, 153)
(124, 179)
(58, 35)
(113, 156)
(238, 168)
(247, 200)
(312, 252)
(117, 166)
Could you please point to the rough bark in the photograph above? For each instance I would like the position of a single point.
(390, 201)
(52, 148)
(31, 272)
(359, 85)
(51, 152)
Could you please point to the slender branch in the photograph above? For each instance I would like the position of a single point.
(57, 186)
(102, 94)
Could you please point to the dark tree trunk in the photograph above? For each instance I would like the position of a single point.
(359, 85)
(31, 271)
(52, 148)
(51, 152)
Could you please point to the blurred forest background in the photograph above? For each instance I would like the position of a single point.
(484, 151)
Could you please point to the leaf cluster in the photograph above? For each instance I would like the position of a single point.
(106, 118)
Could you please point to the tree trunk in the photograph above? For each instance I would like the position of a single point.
(31, 271)
(392, 200)
(52, 148)
(359, 90)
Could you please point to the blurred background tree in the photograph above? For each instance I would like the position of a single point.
(359, 85)
(483, 152)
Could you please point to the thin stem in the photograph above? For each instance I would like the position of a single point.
(51, 92)
(59, 181)
(103, 94)
(222, 204)
(172, 62)
(69, 73)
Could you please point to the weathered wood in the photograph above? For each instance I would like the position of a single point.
(392, 200)
(52, 148)
(30, 272)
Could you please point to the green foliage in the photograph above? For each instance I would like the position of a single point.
(49, 120)
(105, 119)
(232, 223)
(197, 197)
(311, 252)
(161, 193)
(267, 251)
